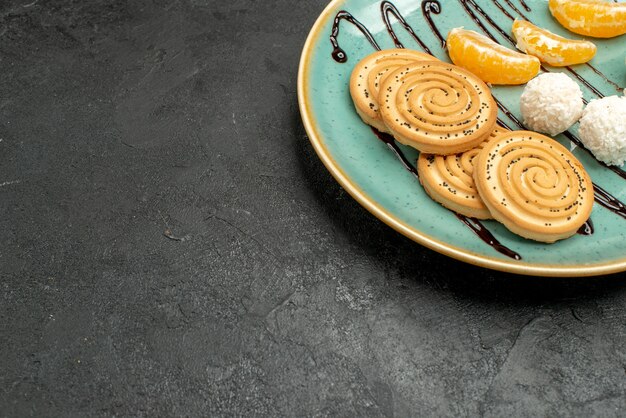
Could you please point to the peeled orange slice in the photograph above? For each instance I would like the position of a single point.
(490, 61)
(600, 19)
(550, 48)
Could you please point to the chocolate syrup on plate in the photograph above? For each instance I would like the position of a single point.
(524, 5)
(386, 9)
(429, 7)
(339, 54)
(391, 143)
(586, 228)
(484, 234)
(605, 199)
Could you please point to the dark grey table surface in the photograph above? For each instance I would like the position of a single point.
(171, 244)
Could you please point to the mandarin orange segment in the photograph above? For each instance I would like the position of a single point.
(490, 61)
(599, 19)
(550, 48)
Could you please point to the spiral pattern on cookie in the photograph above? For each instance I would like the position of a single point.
(448, 179)
(534, 185)
(437, 107)
(368, 76)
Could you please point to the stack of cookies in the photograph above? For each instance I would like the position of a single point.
(527, 181)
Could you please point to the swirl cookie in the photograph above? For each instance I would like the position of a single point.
(437, 107)
(368, 75)
(533, 185)
(448, 179)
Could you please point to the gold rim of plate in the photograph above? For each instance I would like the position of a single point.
(381, 213)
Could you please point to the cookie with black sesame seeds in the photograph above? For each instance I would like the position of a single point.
(368, 75)
(534, 186)
(437, 107)
(448, 180)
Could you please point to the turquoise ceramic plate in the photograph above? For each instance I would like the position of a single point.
(367, 169)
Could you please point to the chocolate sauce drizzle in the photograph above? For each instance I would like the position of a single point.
(386, 9)
(568, 68)
(391, 143)
(503, 124)
(506, 12)
(524, 5)
(472, 223)
(608, 201)
(339, 54)
(429, 7)
(586, 228)
(483, 233)
(480, 11)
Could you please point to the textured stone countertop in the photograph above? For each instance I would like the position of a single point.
(171, 244)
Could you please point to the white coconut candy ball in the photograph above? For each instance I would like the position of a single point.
(551, 103)
(603, 129)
